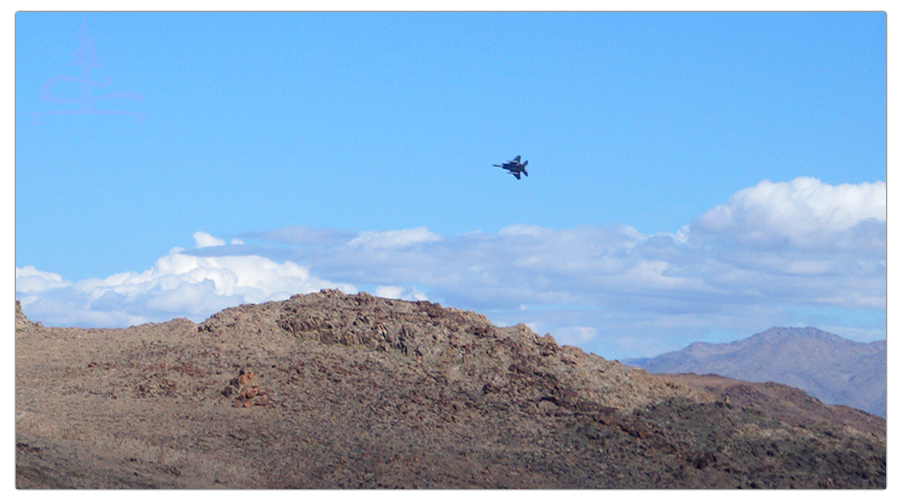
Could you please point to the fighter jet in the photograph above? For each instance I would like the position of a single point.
(515, 167)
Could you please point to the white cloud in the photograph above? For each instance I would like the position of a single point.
(740, 267)
(30, 280)
(178, 284)
(575, 335)
(402, 238)
(398, 292)
(206, 240)
(803, 212)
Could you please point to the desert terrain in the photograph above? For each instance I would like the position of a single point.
(329, 390)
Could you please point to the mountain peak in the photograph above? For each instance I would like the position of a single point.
(828, 366)
(805, 331)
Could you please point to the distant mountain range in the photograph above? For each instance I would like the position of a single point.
(829, 367)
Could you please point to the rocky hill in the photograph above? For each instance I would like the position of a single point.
(827, 366)
(329, 390)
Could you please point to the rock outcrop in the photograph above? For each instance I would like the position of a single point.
(354, 391)
(246, 390)
(22, 322)
(464, 346)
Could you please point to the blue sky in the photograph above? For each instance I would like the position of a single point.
(693, 176)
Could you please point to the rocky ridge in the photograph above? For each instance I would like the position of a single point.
(364, 392)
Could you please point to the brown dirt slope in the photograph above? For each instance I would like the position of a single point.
(329, 390)
(778, 400)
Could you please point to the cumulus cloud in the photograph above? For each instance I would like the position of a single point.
(804, 212)
(178, 284)
(30, 280)
(763, 258)
(206, 240)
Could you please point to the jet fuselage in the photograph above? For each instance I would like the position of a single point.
(515, 167)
